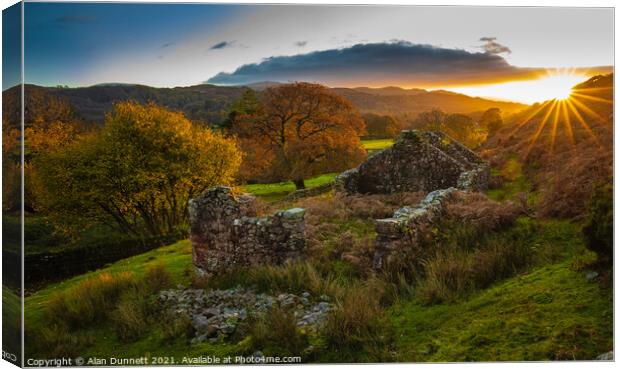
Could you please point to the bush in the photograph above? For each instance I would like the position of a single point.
(599, 227)
(276, 333)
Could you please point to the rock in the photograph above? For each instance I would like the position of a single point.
(606, 356)
(217, 314)
(212, 331)
(590, 276)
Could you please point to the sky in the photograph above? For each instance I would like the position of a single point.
(166, 45)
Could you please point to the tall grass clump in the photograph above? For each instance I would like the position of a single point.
(292, 277)
(276, 333)
(89, 301)
(358, 326)
(119, 298)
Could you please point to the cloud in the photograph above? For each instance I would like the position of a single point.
(167, 44)
(222, 45)
(401, 63)
(491, 46)
(301, 43)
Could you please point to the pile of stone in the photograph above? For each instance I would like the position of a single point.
(215, 315)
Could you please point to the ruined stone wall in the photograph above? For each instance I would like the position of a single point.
(400, 236)
(224, 236)
(418, 161)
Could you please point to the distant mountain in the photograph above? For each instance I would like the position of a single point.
(395, 100)
(211, 103)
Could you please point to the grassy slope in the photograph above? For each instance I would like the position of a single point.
(549, 313)
(177, 258)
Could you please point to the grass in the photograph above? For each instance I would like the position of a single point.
(276, 191)
(378, 144)
(551, 313)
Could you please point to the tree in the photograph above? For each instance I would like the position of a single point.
(492, 120)
(431, 120)
(299, 130)
(381, 126)
(247, 105)
(464, 129)
(138, 172)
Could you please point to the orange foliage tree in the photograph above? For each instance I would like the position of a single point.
(297, 131)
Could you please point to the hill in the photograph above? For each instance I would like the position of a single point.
(395, 100)
(563, 148)
(210, 103)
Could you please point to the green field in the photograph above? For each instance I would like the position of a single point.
(377, 144)
(276, 191)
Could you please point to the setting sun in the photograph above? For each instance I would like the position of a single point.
(554, 85)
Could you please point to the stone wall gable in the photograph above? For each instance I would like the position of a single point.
(418, 161)
(223, 236)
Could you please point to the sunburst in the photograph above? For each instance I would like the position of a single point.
(562, 112)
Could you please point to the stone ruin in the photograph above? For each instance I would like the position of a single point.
(225, 234)
(418, 161)
(402, 231)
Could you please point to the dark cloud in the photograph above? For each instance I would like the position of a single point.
(401, 63)
(166, 45)
(301, 43)
(222, 45)
(491, 46)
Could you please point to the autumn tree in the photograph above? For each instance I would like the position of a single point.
(138, 172)
(431, 120)
(492, 120)
(300, 130)
(381, 126)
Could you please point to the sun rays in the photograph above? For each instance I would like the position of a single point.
(571, 113)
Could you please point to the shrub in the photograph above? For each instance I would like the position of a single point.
(276, 333)
(599, 227)
(89, 301)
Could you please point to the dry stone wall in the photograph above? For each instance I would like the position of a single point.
(418, 161)
(223, 236)
(400, 235)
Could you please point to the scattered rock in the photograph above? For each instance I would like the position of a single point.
(216, 315)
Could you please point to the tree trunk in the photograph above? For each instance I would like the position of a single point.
(299, 184)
